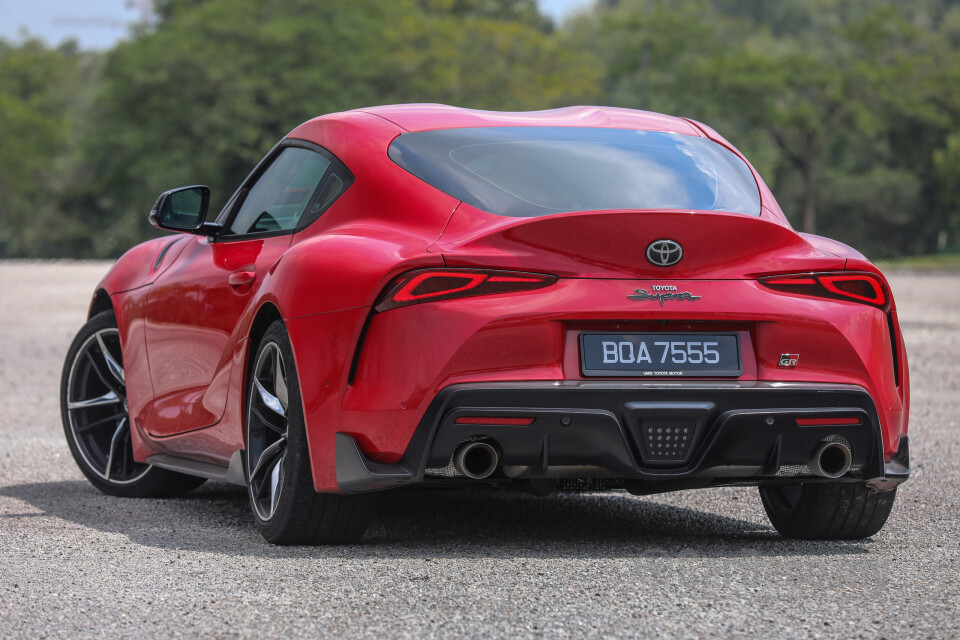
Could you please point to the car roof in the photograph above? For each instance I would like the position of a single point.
(426, 117)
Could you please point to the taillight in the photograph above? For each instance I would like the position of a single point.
(431, 285)
(826, 422)
(495, 420)
(855, 287)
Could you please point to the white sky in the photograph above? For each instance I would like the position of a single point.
(98, 24)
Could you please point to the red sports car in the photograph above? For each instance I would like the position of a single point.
(584, 298)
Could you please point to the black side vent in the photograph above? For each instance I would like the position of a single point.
(895, 347)
(163, 252)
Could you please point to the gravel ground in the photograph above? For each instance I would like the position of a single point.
(75, 563)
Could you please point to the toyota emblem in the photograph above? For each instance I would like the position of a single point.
(664, 253)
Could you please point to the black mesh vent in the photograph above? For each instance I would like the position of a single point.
(667, 440)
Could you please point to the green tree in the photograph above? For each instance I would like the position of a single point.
(525, 12)
(41, 92)
(201, 97)
(841, 106)
(850, 110)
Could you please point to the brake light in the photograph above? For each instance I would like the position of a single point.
(444, 284)
(856, 287)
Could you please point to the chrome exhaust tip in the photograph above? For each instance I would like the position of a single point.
(477, 460)
(830, 460)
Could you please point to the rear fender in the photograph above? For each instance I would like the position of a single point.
(324, 274)
(341, 271)
(899, 348)
(324, 287)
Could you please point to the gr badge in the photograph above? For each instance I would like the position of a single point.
(789, 359)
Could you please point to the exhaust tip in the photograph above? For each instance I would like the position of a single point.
(831, 460)
(477, 460)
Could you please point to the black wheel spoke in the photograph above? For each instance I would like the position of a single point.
(269, 480)
(267, 429)
(104, 377)
(98, 421)
(114, 367)
(115, 443)
(276, 483)
(101, 422)
(270, 420)
(267, 458)
(263, 488)
(269, 400)
(109, 398)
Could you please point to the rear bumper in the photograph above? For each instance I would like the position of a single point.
(719, 432)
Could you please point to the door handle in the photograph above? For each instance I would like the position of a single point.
(242, 278)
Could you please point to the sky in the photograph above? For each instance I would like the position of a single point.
(98, 24)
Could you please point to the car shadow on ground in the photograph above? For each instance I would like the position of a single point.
(476, 523)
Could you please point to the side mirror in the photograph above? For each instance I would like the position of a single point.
(184, 210)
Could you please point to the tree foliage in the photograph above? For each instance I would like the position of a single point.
(205, 94)
(846, 108)
(851, 111)
(39, 87)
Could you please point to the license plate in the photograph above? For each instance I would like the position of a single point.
(660, 354)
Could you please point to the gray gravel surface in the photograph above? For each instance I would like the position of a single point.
(75, 563)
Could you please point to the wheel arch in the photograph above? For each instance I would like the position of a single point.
(99, 303)
(267, 314)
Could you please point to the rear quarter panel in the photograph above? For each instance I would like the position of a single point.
(334, 270)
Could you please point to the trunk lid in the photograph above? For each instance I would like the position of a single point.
(613, 244)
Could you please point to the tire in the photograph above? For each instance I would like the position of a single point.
(827, 511)
(285, 506)
(96, 422)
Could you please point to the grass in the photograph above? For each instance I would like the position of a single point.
(937, 262)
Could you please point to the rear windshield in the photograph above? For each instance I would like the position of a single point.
(535, 171)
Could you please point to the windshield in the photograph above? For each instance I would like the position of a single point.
(534, 171)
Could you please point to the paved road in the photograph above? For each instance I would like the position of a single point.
(75, 563)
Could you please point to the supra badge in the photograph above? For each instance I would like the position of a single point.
(662, 293)
(664, 253)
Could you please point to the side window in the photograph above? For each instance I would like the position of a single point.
(292, 183)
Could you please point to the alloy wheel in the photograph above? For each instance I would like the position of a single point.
(96, 407)
(267, 430)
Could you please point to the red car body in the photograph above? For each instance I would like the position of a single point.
(189, 308)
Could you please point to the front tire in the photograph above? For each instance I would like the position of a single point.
(827, 511)
(96, 422)
(285, 506)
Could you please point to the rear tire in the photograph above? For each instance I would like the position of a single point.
(96, 422)
(827, 511)
(285, 506)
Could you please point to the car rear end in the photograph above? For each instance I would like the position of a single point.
(621, 309)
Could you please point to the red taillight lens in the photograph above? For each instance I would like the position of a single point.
(862, 288)
(444, 284)
(855, 287)
(495, 420)
(826, 422)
